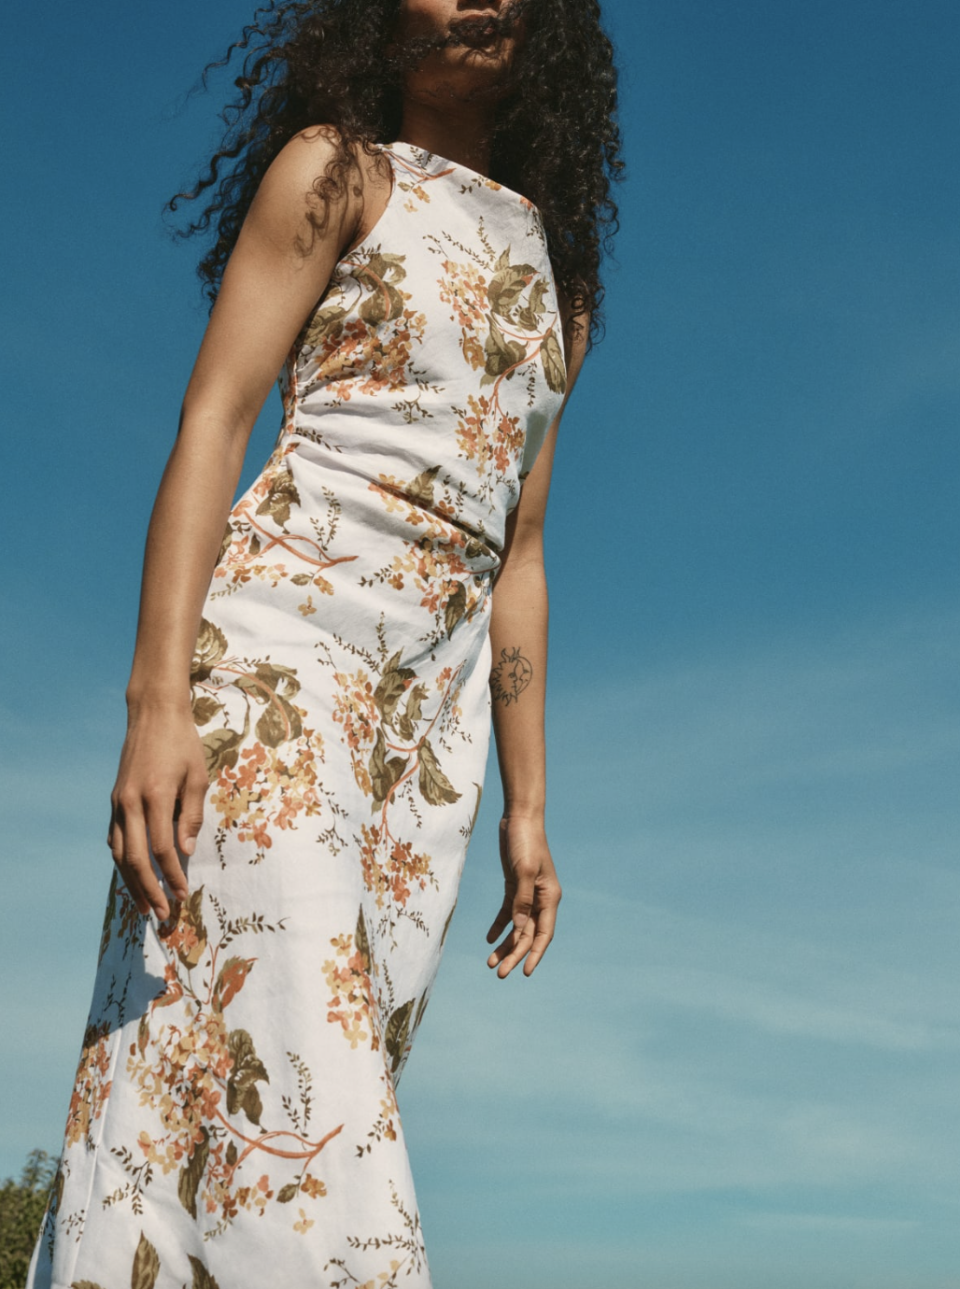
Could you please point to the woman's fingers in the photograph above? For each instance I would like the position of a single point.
(116, 840)
(501, 921)
(191, 809)
(546, 924)
(523, 897)
(160, 827)
(131, 851)
(140, 835)
(549, 895)
(513, 949)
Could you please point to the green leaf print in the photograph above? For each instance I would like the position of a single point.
(205, 708)
(420, 491)
(221, 749)
(385, 302)
(530, 316)
(276, 678)
(280, 723)
(287, 1193)
(435, 787)
(384, 773)
(413, 712)
(146, 1269)
(271, 687)
(506, 287)
(188, 1182)
(254, 685)
(501, 354)
(363, 940)
(326, 324)
(252, 1105)
(384, 305)
(386, 266)
(553, 365)
(202, 1279)
(392, 687)
(455, 607)
(282, 495)
(242, 1093)
(476, 549)
(398, 1029)
(146, 1265)
(210, 648)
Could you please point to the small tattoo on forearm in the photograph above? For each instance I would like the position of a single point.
(510, 676)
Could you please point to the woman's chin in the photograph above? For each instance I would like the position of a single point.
(473, 72)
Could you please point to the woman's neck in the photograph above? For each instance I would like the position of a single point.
(460, 135)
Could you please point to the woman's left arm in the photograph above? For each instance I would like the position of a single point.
(518, 638)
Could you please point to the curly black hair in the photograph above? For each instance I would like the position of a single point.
(335, 62)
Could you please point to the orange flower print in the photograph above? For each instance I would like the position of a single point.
(268, 538)
(91, 1086)
(200, 1081)
(362, 337)
(268, 783)
(352, 1004)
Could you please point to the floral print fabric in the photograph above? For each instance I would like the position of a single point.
(234, 1109)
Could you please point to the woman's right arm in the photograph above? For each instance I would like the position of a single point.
(279, 269)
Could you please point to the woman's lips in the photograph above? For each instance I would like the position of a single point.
(478, 33)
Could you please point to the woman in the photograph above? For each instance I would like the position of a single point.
(322, 673)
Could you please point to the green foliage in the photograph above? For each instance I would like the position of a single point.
(22, 1206)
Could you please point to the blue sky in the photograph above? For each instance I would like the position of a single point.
(738, 1066)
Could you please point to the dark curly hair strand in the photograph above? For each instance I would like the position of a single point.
(334, 62)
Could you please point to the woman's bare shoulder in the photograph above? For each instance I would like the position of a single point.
(315, 177)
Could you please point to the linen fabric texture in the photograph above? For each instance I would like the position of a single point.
(234, 1112)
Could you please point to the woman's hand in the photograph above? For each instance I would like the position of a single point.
(531, 896)
(162, 780)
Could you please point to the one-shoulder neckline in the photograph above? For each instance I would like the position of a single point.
(444, 163)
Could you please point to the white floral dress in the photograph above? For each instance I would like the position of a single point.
(234, 1114)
